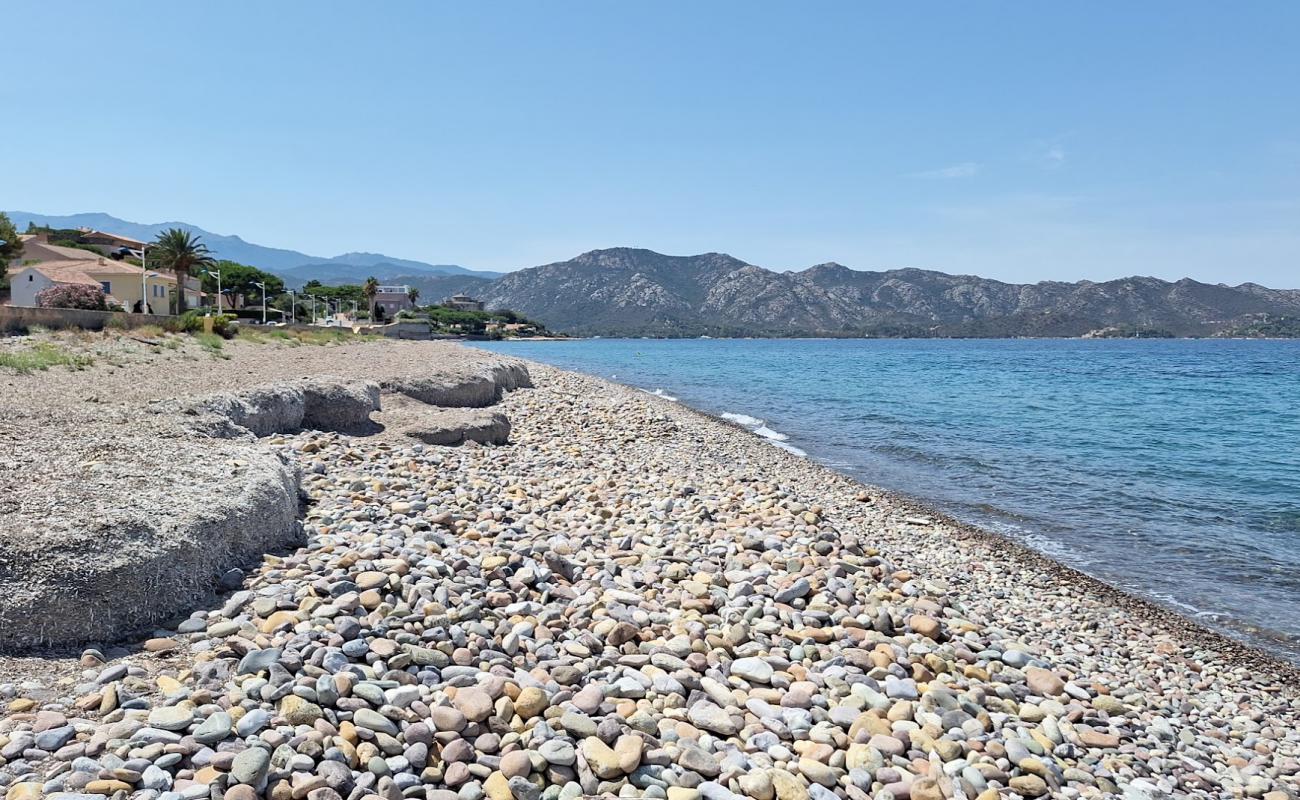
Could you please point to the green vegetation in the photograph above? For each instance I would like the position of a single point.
(10, 250)
(341, 296)
(62, 237)
(212, 343)
(295, 337)
(370, 289)
(42, 356)
(240, 280)
(478, 323)
(1128, 332)
(181, 253)
(194, 321)
(1265, 326)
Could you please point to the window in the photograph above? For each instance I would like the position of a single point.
(106, 286)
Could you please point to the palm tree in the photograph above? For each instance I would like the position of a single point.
(370, 289)
(413, 294)
(180, 252)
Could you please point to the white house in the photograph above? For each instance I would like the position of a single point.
(122, 283)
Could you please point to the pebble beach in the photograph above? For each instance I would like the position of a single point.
(633, 599)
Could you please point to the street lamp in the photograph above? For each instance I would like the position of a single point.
(293, 306)
(145, 275)
(216, 273)
(262, 286)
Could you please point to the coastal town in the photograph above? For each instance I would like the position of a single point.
(175, 276)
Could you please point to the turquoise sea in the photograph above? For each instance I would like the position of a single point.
(1170, 468)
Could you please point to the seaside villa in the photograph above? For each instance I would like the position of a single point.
(123, 284)
(110, 243)
(43, 265)
(393, 299)
(463, 302)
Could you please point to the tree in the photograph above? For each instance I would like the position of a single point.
(370, 289)
(10, 250)
(413, 294)
(180, 252)
(241, 280)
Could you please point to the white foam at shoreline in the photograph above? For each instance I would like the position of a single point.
(789, 448)
(661, 393)
(768, 433)
(759, 428)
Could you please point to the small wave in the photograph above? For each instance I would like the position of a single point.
(768, 433)
(759, 428)
(661, 393)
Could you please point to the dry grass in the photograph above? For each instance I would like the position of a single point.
(296, 338)
(212, 343)
(41, 356)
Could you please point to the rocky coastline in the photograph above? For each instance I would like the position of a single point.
(629, 598)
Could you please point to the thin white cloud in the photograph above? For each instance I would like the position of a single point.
(1054, 156)
(964, 170)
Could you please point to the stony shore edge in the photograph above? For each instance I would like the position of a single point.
(1224, 645)
(634, 599)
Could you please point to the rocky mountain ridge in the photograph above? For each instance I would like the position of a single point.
(629, 291)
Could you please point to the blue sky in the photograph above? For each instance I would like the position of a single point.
(1021, 141)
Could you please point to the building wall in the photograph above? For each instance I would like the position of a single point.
(126, 289)
(392, 303)
(16, 320)
(24, 286)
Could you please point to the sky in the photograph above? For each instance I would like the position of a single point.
(1019, 141)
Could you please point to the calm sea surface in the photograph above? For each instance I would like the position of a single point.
(1168, 468)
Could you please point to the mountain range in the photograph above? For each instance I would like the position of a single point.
(295, 267)
(627, 291)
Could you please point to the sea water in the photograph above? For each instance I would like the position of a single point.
(1169, 468)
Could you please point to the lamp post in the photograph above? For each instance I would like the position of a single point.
(216, 273)
(313, 308)
(144, 289)
(293, 306)
(145, 275)
(262, 286)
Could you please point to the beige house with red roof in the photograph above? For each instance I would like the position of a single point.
(123, 283)
(107, 243)
(43, 265)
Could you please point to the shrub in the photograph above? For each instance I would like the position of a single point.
(72, 295)
(223, 325)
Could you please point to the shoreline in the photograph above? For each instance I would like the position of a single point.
(1242, 652)
(1152, 608)
(637, 599)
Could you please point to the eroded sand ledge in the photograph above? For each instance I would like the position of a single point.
(122, 509)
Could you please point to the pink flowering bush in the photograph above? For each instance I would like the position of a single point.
(72, 295)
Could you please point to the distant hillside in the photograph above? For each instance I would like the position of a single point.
(625, 291)
(634, 292)
(434, 288)
(295, 267)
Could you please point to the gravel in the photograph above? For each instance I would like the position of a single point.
(633, 599)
